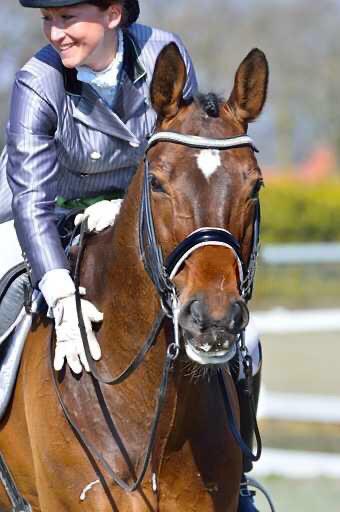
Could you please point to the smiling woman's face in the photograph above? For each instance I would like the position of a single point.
(83, 34)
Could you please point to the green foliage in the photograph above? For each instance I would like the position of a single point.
(293, 211)
(294, 286)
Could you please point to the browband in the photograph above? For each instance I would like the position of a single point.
(195, 141)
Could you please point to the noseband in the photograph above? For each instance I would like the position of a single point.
(162, 273)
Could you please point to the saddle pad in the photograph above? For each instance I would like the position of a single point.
(11, 350)
(12, 302)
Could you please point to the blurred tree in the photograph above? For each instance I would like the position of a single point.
(299, 37)
(20, 37)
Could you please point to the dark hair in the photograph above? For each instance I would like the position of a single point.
(210, 103)
(105, 4)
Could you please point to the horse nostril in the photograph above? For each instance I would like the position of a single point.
(239, 316)
(196, 312)
(245, 314)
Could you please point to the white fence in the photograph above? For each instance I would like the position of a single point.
(287, 254)
(295, 464)
(304, 408)
(299, 407)
(281, 321)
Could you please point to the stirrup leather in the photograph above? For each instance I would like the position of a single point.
(256, 485)
(18, 502)
(245, 491)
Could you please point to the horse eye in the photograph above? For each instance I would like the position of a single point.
(256, 189)
(155, 184)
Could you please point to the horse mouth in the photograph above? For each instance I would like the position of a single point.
(211, 348)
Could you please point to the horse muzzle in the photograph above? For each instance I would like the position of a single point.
(209, 340)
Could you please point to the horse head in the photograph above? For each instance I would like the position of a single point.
(193, 187)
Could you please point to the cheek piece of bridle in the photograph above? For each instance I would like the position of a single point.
(161, 275)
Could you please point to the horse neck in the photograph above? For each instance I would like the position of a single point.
(121, 288)
(114, 275)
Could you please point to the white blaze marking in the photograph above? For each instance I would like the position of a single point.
(87, 489)
(208, 161)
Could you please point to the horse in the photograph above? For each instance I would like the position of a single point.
(195, 463)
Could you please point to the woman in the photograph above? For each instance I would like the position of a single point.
(78, 123)
(79, 119)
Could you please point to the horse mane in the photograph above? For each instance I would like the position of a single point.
(210, 103)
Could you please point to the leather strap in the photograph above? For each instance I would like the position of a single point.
(195, 141)
(18, 502)
(10, 276)
(156, 327)
(232, 423)
(170, 357)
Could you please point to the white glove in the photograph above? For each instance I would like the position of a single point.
(59, 292)
(69, 343)
(100, 215)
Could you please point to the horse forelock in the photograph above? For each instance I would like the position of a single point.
(210, 103)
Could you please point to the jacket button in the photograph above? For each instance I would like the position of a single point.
(95, 155)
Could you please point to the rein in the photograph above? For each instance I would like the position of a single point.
(90, 448)
(156, 327)
(171, 356)
(161, 275)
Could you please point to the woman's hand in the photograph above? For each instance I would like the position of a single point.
(99, 215)
(69, 344)
(59, 292)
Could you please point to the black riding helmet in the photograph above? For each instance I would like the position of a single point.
(131, 6)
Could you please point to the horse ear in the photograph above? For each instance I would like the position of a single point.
(168, 81)
(250, 87)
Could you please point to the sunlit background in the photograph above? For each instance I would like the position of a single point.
(297, 300)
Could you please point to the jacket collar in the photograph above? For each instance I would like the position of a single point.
(91, 110)
(132, 66)
(132, 63)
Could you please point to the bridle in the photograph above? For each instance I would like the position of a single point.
(162, 273)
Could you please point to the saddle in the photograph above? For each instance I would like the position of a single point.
(14, 287)
(15, 324)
